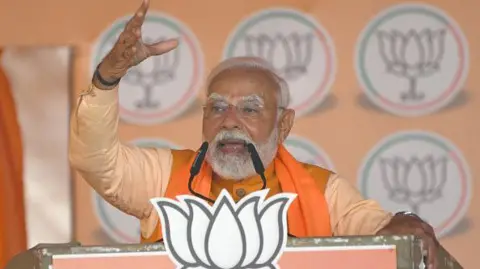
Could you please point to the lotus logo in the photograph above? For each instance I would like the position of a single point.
(294, 48)
(400, 175)
(412, 55)
(249, 234)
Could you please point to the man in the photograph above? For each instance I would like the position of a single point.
(246, 103)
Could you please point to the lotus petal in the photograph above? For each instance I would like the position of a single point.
(249, 218)
(273, 220)
(198, 222)
(386, 45)
(174, 223)
(225, 236)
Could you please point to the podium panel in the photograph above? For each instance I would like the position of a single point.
(380, 257)
(378, 252)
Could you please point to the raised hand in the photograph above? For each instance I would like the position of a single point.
(129, 51)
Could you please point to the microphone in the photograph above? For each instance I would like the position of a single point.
(195, 169)
(257, 163)
(197, 163)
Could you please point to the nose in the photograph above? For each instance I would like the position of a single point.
(231, 120)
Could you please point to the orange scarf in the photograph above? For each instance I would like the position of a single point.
(308, 214)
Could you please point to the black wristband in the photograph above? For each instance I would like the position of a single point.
(103, 81)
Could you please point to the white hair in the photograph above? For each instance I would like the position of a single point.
(254, 63)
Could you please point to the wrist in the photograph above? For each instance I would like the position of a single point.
(102, 82)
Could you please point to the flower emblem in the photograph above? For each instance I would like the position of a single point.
(249, 234)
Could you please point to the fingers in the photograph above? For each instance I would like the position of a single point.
(428, 230)
(162, 46)
(137, 20)
(430, 243)
(431, 246)
(132, 31)
(421, 229)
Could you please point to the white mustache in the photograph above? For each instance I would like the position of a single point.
(238, 135)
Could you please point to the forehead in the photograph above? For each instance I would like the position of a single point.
(237, 83)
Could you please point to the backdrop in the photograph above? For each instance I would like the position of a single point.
(381, 98)
(382, 92)
(35, 178)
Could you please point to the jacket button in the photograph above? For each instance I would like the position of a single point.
(240, 192)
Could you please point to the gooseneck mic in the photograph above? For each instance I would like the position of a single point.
(257, 163)
(197, 163)
(195, 169)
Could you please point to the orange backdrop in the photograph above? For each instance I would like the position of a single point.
(357, 118)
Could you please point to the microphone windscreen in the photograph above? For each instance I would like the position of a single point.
(197, 163)
(257, 162)
(204, 146)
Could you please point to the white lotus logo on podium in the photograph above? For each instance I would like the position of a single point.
(249, 234)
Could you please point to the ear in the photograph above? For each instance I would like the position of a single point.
(285, 124)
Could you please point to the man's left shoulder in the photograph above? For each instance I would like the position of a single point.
(319, 174)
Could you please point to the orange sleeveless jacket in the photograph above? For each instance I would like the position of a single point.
(307, 216)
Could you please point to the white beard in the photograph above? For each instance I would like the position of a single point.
(238, 167)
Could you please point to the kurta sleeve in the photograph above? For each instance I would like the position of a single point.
(350, 213)
(125, 176)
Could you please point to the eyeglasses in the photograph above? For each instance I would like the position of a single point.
(245, 110)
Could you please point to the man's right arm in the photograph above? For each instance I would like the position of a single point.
(125, 176)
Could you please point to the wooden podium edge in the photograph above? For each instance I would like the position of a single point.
(408, 249)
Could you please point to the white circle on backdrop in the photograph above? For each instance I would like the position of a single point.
(412, 59)
(297, 45)
(421, 172)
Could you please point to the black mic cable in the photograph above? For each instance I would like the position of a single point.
(195, 169)
(257, 163)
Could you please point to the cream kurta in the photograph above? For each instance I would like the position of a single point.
(128, 177)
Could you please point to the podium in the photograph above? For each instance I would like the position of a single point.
(361, 252)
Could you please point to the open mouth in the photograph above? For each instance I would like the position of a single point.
(232, 146)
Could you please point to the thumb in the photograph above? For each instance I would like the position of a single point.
(162, 46)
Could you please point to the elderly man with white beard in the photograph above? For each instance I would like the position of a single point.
(246, 103)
